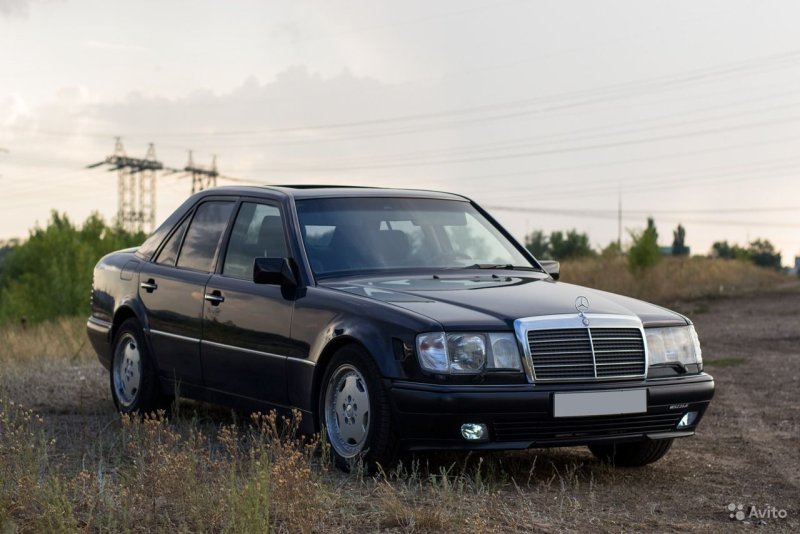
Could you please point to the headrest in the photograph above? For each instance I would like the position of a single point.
(393, 245)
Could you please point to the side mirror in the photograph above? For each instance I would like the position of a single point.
(552, 267)
(275, 271)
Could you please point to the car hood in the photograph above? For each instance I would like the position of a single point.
(496, 300)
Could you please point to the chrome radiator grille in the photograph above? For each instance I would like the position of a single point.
(586, 353)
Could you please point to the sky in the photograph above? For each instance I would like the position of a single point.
(551, 115)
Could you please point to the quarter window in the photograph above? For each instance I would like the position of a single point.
(257, 233)
(169, 254)
(203, 236)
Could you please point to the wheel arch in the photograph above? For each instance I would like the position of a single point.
(333, 346)
(122, 314)
(131, 309)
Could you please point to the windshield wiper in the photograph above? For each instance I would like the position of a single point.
(507, 266)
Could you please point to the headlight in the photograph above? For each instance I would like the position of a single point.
(468, 352)
(505, 352)
(674, 345)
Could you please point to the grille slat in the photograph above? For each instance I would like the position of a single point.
(586, 353)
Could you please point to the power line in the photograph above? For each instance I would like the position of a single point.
(569, 99)
(375, 134)
(560, 138)
(542, 152)
(615, 163)
(697, 176)
(613, 213)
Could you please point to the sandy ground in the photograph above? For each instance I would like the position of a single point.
(747, 450)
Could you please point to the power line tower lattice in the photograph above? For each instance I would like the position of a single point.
(202, 177)
(136, 187)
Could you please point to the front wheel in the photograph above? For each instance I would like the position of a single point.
(635, 454)
(354, 411)
(135, 387)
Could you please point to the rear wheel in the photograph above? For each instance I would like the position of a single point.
(135, 387)
(354, 411)
(634, 454)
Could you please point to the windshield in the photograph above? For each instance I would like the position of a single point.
(347, 235)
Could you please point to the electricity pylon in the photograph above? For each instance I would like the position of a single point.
(202, 177)
(136, 187)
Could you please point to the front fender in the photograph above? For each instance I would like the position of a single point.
(326, 319)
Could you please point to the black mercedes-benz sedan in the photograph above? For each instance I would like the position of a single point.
(393, 320)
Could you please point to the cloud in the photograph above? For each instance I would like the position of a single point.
(268, 125)
(114, 47)
(18, 8)
(14, 7)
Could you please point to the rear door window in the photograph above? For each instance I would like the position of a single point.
(203, 236)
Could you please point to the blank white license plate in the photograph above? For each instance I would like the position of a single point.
(599, 403)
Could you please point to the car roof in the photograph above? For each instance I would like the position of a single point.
(331, 191)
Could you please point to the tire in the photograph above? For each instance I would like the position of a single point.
(357, 435)
(635, 454)
(134, 382)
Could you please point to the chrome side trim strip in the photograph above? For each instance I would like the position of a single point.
(229, 347)
(174, 336)
(242, 349)
(254, 352)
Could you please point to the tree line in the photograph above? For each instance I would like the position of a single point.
(644, 251)
(50, 274)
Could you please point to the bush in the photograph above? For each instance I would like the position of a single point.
(644, 252)
(538, 244)
(50, 274)
(761, 252)
(559, 245)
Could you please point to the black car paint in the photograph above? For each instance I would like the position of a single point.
(273, 342)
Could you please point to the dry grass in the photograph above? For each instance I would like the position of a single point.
(69, 463)
(674, 279)
(161, 476)
(63, 339)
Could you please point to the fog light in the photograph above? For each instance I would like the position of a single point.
(687, 419)
(473, 431)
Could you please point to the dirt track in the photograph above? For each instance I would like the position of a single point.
(747, 450)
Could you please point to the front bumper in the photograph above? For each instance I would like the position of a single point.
(429, 416)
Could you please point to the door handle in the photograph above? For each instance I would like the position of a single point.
(149, 286)
(215, 297)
